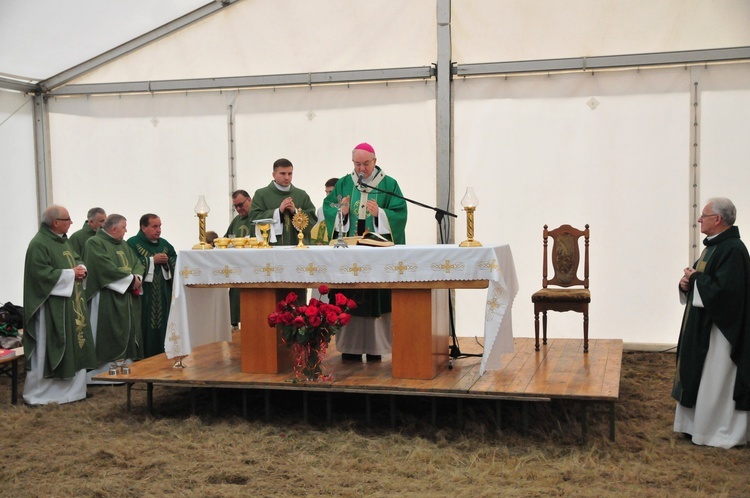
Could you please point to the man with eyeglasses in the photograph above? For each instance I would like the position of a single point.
(364, 208)
(114, 293)
(240, 225)
(57, 337)
(94, 220)
(712, 378)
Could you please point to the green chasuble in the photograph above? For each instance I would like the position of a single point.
(723, 280)
(267, 199)
(118, 328)
(78, 239)
(157, 294)
(70, 345)
(372, 303)
(241, 227)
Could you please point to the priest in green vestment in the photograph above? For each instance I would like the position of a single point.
(113, 290)
(159, 259)
(365, 209)
(239, 227)
(712, 378)
(57, 337)
(94, 220)
(280, 201)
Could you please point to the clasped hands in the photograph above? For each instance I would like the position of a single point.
(372, 206)
(685, 280)
(80, 272)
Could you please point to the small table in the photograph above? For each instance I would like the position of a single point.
(9, 367)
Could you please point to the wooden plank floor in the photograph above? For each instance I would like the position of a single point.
(559, 371)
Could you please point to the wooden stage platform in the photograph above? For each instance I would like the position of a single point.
(560, 371)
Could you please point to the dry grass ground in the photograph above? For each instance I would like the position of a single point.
(97, 448)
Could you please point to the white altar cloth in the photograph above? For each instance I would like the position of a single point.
(201, 315)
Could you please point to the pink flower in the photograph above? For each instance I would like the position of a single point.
(323, 289)
(341, 300)
(344, 318)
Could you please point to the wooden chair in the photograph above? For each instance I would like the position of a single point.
(565, 258)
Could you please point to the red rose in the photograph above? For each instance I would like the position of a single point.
(315, 321)
(313, 302)
(323, 289)
(351, 304)
(273, 319)
(344, 318)
(287, 318)
(331, 317)
(341, 299)
(291, 298)
(298, 322)
(312, 311)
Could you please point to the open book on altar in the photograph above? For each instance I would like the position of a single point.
(374, 239)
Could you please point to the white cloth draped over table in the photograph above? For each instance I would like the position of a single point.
(201, 315)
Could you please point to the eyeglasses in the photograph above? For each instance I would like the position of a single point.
(63, 219)
(240, 204)
(706, 216)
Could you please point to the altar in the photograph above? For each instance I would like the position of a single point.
(420, 277)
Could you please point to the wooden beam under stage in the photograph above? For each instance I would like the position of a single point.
(559, 371)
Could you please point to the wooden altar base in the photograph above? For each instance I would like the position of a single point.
(560, 371)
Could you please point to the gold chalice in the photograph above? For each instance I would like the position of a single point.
(264, 228)
(300, 221)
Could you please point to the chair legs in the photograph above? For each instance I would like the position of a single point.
(585, 332)
(536, 329)
(544, 330)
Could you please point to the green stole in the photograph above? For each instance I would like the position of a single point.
(240, 227)
(70, 345)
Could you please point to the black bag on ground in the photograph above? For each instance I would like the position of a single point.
(12, 314)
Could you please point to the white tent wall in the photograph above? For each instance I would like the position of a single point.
(17, 189)
(540, 155)
(524, 30)
(262, 37)
(139, 154)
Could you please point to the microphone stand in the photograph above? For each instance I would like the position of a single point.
(454, 351)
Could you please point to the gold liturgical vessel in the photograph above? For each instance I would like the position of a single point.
(470, 203)
(300, 221)
(201, 210)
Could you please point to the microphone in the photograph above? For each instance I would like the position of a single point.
(361, 177)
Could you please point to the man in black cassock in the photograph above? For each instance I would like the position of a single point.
(712, 378)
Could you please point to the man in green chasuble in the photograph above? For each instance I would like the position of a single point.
(280, 201)
(57, 337)
(364, 208)
(239, 227)
(159, 258)
(94, 220)
(712, 378)
(113, 291)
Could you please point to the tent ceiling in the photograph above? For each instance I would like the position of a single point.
(41, 38)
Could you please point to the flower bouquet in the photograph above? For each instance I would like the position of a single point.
(308, 329)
